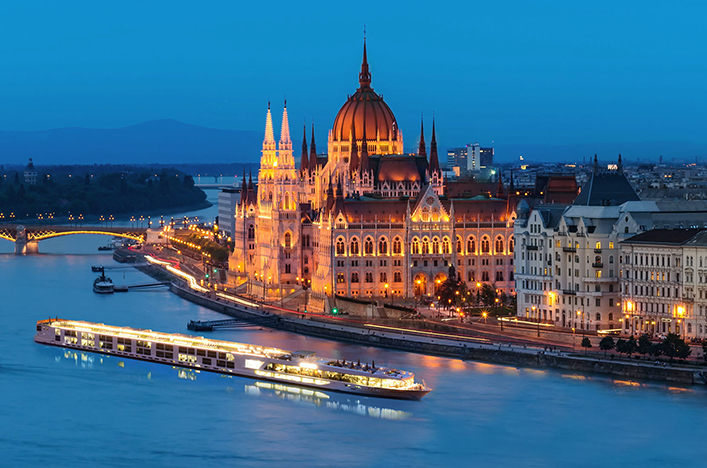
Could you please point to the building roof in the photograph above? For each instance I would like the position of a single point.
(606, 188)
(399, 168)
(668, 236)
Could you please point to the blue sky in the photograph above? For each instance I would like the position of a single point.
(505, 71)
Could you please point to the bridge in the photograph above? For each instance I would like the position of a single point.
(26, 238)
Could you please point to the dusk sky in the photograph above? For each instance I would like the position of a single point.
(509, 71)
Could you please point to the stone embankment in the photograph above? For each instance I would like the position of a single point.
(417, 342)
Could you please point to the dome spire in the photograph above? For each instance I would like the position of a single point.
(313, 147)
(434, 159)
(422, 151)
(365, 163)
(353, 159)
(364, 78)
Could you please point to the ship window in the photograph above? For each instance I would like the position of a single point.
(221, 363)
(211, 354)
(169, 355)
(230, 365)
(201, 352)
(191, 351)
(182, 350)
(206, 361)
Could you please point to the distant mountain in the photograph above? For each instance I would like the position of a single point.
(157, 141)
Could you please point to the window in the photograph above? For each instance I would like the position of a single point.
(425, 246)
(415, 246)
(354, 246)
(499, 275)
(484, 276)
(397, 246)
(354, 277)
(368, 246)
(383, 246)
(288, 240)
(397, 277)
(288, 268)
(383, 277)
(340, 278)
(498, 248)
(459, 244)
(471, 245)
(512, 244)
(369, 277)
(435, 246)
(445, 246)
(251, 232)
(340, 246)
(485, 245)
(425, 214)
(598, 302)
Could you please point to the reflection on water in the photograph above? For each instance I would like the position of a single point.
(324, 400)
(362, 406)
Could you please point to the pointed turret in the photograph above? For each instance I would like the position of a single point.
(329, 196)
(304, 162)
(434, 159)
(354, 160)
(313, 147)
(422, 151)
(285, 133)
(500, 192)
(365, 162)
(596, 163)
(511, 186)
(251, 198)
(364, 78)
(338, 205)
(244, 190)
(269, 133)
(620, 165)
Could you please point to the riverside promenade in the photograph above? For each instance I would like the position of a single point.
(421, 337)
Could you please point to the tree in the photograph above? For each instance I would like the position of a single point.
(188, 181)
(656, 349)
(586, 343)
(631, 346)
(607, 344)
(620, 346)
(674, 346)
(644, 345)
(488, 294)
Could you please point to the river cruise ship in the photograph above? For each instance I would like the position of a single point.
(245, 360)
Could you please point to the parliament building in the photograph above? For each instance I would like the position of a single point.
(365, 220)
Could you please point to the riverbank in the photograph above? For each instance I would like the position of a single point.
(427, 342)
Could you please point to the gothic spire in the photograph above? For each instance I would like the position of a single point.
(285, 134)
(313, 147)
(304, 163)
(434, 159)
(364, 78)
(365, 162)
(500, 193)
(596, 163)
(511, 186)
(422, 151)
(354, 159)
(269, 133)
(620, 165)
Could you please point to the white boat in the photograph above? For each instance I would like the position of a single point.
(245, 360)
(103, 285)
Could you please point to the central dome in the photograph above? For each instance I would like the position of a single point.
(365, 110)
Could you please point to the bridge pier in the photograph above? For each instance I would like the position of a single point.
(24, 247)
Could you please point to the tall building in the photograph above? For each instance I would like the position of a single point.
(30, 174)
(470, 158)
(365, 219)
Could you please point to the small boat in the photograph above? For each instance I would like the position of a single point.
(103, 285)
(105, 247)
(96, 269)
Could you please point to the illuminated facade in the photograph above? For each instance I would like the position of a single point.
(365, 220)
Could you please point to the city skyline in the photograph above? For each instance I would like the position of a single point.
(556, 75)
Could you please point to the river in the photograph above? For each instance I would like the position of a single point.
(66, 408)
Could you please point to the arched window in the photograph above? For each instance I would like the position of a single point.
(435, 246)
(598, 317)
(445, 246)
(270, 196)
(499, 245)
(597, 259)
(383, 277)
(287, 201)
(354, 277)
(397, 277)
(383, 246)
(415, 246)
(511, 244)
(435, 214)
(397, 246)
(611, 259)
(611, 316)
(425, 246)
(340, 278)
(511, 276)
(288, 240)
(369, 277)
(251, 232)
(689, 328)
(354, 246)
(499, 275)
(484, 276)
(368, 246)
(459, 244)
(471, 245)
(470, 276)
(340, 249)
(485, 245)
(425, 214)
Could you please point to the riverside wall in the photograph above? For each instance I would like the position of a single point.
(491, 353)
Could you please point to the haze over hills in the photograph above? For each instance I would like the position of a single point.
(174, 142)
(157, 141)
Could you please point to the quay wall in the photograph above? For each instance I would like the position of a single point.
(491, 353)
